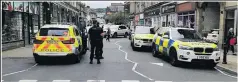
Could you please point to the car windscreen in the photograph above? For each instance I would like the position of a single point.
(142, 30)
(53, 32)
(185, 34)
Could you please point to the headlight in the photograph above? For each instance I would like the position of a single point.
(185, 47)
(216, 49)
(137, 38)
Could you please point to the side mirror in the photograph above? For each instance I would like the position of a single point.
(119, 28)
(166, 36)
(159, 34)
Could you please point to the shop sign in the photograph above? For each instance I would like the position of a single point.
(186, 7)
(18, 6)
(152, 13)
(141, 21)
(141, 16)
(7, 6)
(137, 18)
(168, 8)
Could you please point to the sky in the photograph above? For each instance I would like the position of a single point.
(100, 4)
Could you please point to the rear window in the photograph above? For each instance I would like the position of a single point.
(53, 32)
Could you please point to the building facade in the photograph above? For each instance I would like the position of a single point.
(21, 20)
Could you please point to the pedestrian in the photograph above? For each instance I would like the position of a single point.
(230, 41)
(95, 37)
(108, 34)
(227, 45)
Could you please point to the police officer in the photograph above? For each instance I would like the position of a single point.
(95, 37)
(101, 46)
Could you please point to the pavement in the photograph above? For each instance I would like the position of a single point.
(231, 65)
(121, 64)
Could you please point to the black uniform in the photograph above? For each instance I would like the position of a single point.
(95, 41)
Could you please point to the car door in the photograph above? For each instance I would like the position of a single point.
(78, 36)
(165, 39)
(159, 39)
(121, 30)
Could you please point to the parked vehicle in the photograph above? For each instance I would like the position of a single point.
(142, 37)
(119, 30)
(185, 45)
(58, 41)
(213, 36)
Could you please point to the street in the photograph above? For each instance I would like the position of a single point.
(120, 64)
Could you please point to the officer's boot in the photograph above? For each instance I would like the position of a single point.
(91, 62)
(98, 61)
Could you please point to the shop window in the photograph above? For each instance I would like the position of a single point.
(180, 13)
(230, 14)
(12, 28)
(163, 24)
(191, 12)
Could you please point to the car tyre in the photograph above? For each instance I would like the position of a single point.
(38, 60)
(76, 58)
(133, 47)
(114, 35)
(154, 52)
(211, 65)
(173, 58)
(126, 34)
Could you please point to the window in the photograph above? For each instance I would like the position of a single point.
(167, 33)
(178, 34)
(54, 32)
(142, 30)
(122, 27)
(12, 27)
(162, 30)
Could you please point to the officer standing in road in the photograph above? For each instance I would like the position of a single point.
(101, 46)
(95, 37)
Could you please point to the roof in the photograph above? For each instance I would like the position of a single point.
(56, 26)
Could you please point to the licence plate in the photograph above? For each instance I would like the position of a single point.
(202, 57)
(52, 42)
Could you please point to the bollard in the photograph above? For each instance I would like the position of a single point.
(225, 50)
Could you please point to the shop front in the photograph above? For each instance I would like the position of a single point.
(168, 15)
(18, 21)
(186, 15)
(152, 17)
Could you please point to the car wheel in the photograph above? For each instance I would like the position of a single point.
(126, 34)
(211, 65)
(133, 47)
(114, 35)
(173, 57)
(154, 52)
(76, 58)
(38, 60)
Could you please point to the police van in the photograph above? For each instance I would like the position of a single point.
(184, 45)
(58, 40)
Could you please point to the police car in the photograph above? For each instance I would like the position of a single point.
(142, 37)
(184, 45)
(58, 41)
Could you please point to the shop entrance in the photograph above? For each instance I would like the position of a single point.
(229, 21)
(211, 16)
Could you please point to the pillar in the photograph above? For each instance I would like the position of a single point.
(221, 24)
